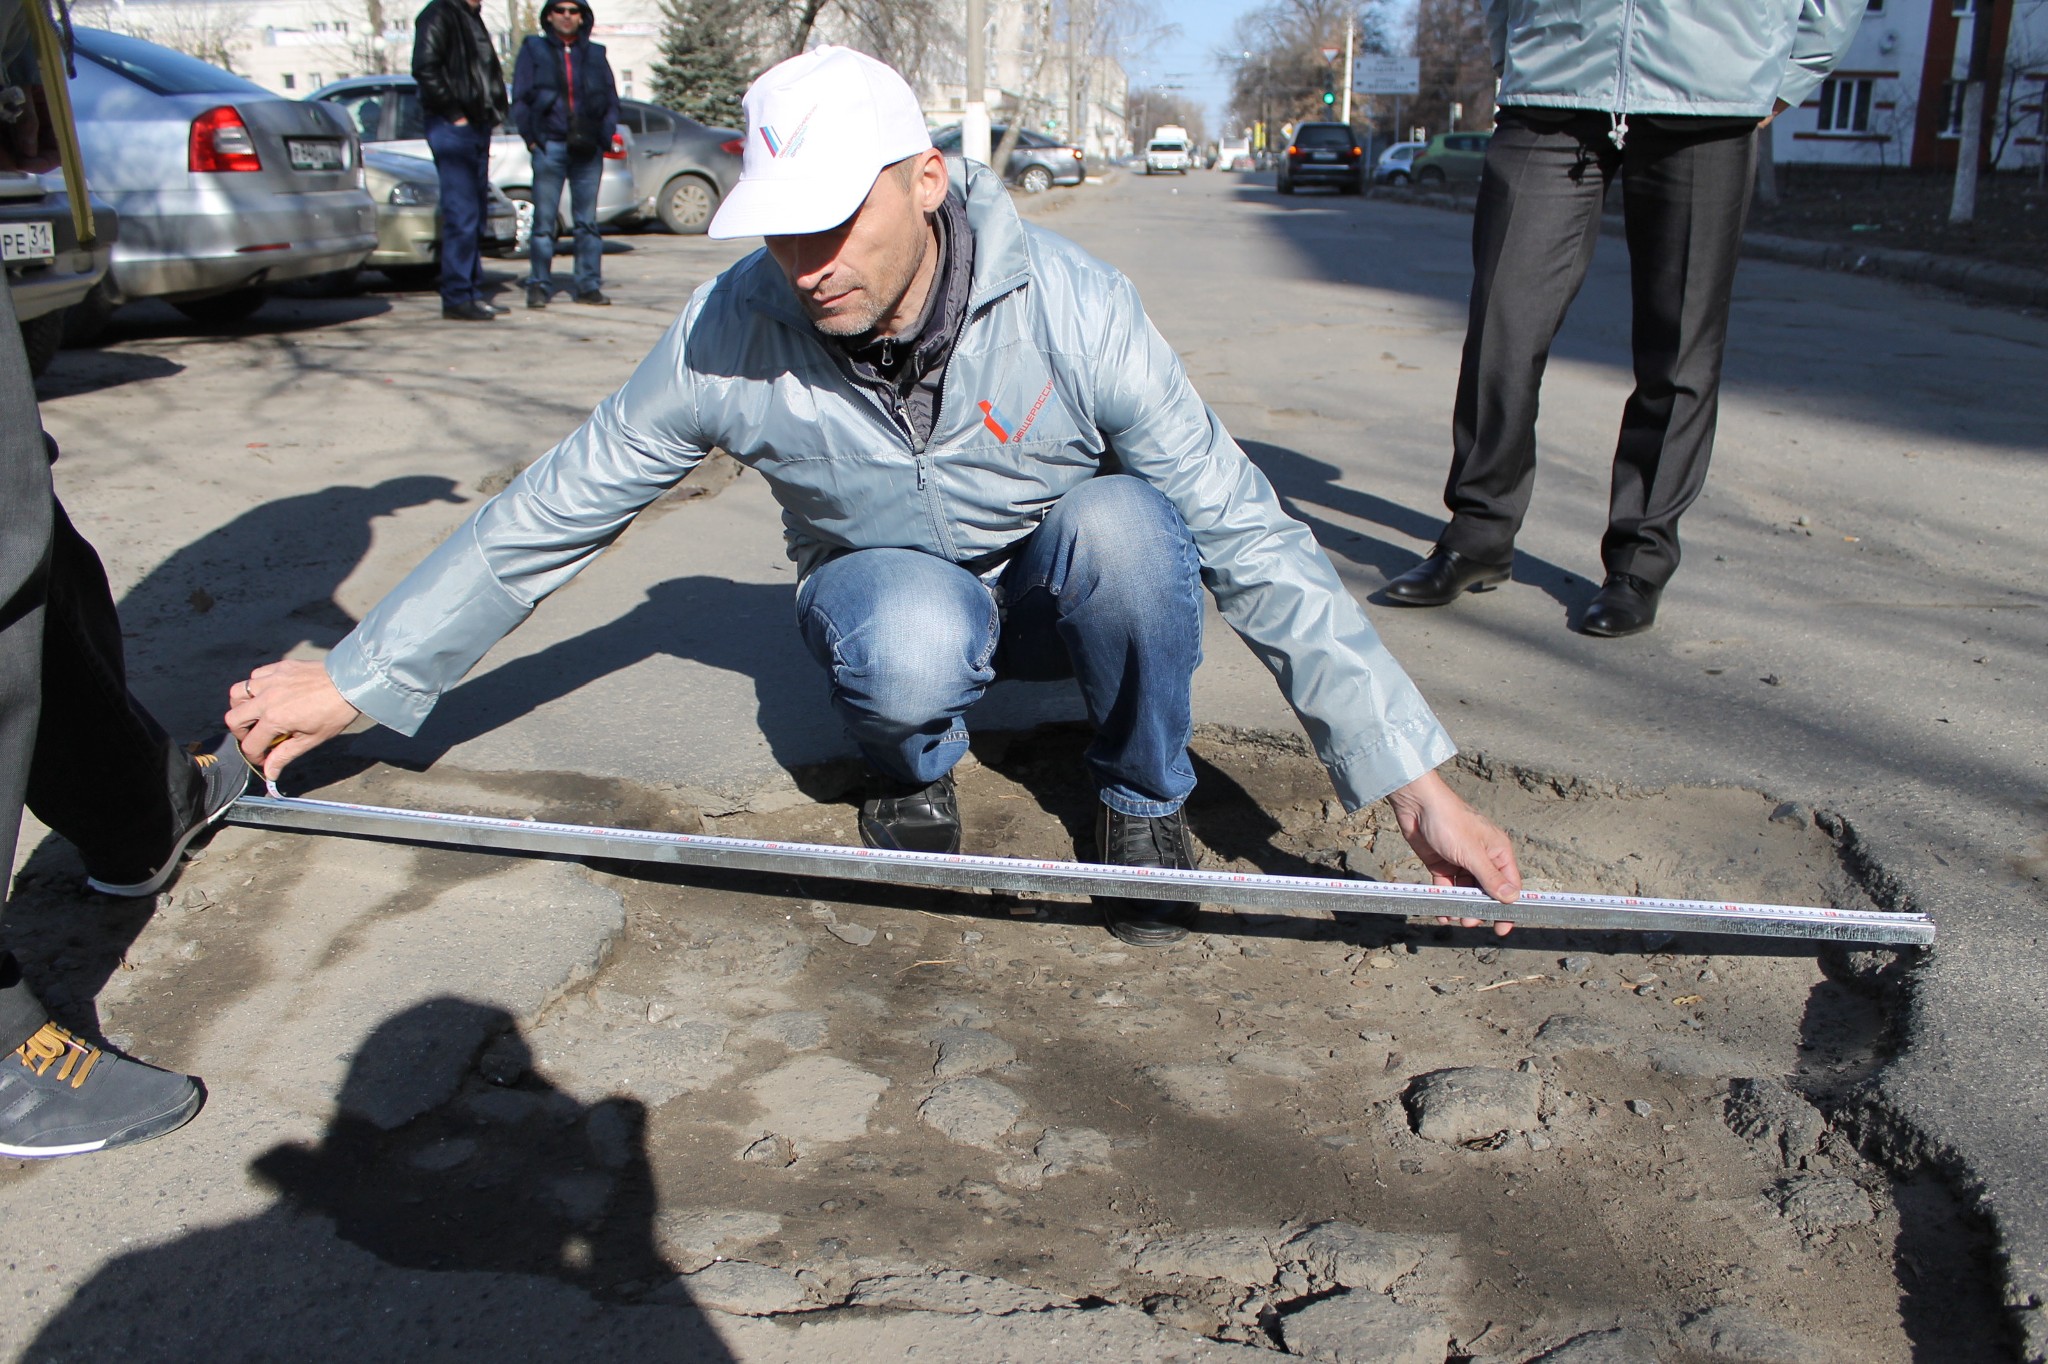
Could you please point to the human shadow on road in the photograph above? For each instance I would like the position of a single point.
(1304, 482)
(519, 1222)
(77, 372)
(251, 591)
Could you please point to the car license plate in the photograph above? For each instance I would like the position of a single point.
(27, 241)
(1322, 156)
(313, 153)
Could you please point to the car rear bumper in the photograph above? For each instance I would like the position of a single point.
(43, 289)
(195, 243)
(1330, 172)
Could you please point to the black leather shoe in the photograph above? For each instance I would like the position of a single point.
(1442, 578)
(468, 312)
(1624, 605)
(593, 298)
(911, 818)
(536, 295)
(1135, 841)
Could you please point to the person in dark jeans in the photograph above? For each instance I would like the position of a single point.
(60, 1095)
(462, 92)
(1668, 101)
(566, 106)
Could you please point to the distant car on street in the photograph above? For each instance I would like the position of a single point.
(681, 168)
(407, 191)
(47, 270)
(1164, 154)
(223, 188)
(1450, 159)
(1235, 156)
(385, 110)
(1393, 167)
(1323, 154)
(1037, 163)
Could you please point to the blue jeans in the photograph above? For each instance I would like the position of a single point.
(1107, 591)
(462, 158)
(552, 164)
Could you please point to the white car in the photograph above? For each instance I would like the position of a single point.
(1165, 154)
(1394, 163)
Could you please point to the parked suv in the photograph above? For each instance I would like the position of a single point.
(1450, 159)
(1037, 162)
(1323, 154)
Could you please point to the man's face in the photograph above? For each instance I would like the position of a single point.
(853, 278)
(565, 19)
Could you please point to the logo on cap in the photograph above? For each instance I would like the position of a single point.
(778, 146)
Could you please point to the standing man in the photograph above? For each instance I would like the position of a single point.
(1668, 98)
(566, 106)
(990, 464)
(462, 91)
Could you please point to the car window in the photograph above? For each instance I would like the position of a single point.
(1403, 154)
(947, 140)
(412, 119)
(1322, 135)
(1031, 139)
(158, 69)
(629, 119)
(364, 110)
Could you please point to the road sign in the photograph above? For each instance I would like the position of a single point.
(1375, 73)
(1330, 53)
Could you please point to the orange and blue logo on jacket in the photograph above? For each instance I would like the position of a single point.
(999, 426)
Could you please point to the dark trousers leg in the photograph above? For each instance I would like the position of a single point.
(1533, 235)
(462, 159)
(105, 774)
(24, 566)
(1685, 197)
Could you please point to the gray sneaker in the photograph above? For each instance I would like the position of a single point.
(60, 1096)
(224, 776)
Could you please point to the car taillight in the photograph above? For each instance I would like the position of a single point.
(618, 151)
(1294, 151)
(736, 147)
(1077, 153)
(221, 142)
(1357, 151)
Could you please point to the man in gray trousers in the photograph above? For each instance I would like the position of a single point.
(1666, 98)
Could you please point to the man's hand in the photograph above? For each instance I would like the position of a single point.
(1459, 846)
(284, 709)
(1776, 109)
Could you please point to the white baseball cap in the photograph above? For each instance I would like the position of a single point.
(820, 127)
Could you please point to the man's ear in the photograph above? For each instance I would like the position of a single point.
(931, 180)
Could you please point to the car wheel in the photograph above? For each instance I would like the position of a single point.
(1430, 177)
(85, 321)
(411, 277)
(221, 310)
(686, 205)
(40, 337)
(1398, 178)
(1035, 180)
(522, 221)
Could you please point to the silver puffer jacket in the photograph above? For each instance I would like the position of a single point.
(1058, 376)
(1716, 57)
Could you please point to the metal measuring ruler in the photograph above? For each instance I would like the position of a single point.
(1281, 895)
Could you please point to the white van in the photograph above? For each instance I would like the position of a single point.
(1167, 151)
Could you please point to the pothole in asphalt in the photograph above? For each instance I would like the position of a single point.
(1310, 1135)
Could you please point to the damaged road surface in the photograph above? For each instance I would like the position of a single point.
(716, 1104)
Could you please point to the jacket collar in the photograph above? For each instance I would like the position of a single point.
(1001, 261)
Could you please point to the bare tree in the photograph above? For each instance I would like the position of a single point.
(214, 33)
(1150, 108)
(1280, 73)
(1457, 64)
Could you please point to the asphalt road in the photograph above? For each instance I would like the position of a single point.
(1858, 626)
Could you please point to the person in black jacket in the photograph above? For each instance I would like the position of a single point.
(566, 106)
(462, 90)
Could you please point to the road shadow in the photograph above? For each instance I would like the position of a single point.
(76, 372)
(1304, 482)
(281, 314)
(521, 1220)
(252, 591)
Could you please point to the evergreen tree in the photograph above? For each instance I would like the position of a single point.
(706, 59)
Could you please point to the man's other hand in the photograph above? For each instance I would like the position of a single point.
(284, 709)
(1459, 846)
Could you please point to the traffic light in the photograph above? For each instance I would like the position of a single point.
(1329, 88)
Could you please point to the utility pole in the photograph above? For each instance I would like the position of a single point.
(1349, 25)
(974, 111)
(1962, 206)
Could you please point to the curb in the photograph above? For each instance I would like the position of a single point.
(2011, 285)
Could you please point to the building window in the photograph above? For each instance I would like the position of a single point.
(1845, 105)
(291, 82)
(1952, 93)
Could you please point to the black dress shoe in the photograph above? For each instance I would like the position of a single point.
(1624, 605)
(1137, 841)
(468, 312)
(536, 295)
(906, 818)
(1442, 578)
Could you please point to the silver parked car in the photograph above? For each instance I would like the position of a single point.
(223, 188)
(681, 169)
(385, 110)
(408, 196)
(47, 270)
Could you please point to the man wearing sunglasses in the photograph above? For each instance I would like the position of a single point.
(990, 464)
(566, 105)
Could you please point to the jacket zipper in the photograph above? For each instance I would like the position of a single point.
(1617, 133)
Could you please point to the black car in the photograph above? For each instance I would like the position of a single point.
(1037, 163)
(1323, 154)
